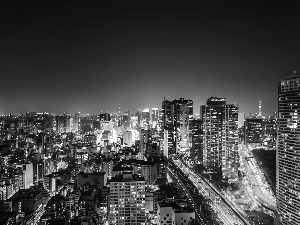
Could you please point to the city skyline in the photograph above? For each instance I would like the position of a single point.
(86, 57)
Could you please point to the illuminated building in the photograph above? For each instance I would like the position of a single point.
(269, 127)
(63, 124)
(167, 126)
(38, 171)
(147, 169)
(76, 122)
(145, 118)
(27, 178)
(134, 122)
(126, 119)
(220, 136)
(176, 124)
(31, 201)
(253, 131)
(50, 184)
(127, 200)
(138, 114)
(145, 138)
(154, 117)
(98, 179)
(127, 138)
(259, 109)
(288, 152)
(172, 211)
(104, 117)
(197, 136)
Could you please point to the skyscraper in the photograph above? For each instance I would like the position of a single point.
(253, 131)
(220, 136)
(288, 152)
(176, 124)
(197, 136)
(154, 117)
(126, 119)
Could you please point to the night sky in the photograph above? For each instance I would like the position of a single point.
(88, 56)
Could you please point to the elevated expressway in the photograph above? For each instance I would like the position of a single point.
(227, 212)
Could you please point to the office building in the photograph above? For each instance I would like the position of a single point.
(253, 131)
(154, 117)
(220, 137)
(126, 119)
(176, 124)
(288, 152)
(197, 136)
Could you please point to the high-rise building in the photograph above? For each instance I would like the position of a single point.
(288, 152)
(253, 131)
(127, 200)
(63, 123)
(76, 122)
(145, 118)
(220, 136)
(176, 124)
(138, 114)
(197, 136)
(144, 140)
(104, 117)
(126, 119)
(154, 117)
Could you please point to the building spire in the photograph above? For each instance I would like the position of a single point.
(259, 109)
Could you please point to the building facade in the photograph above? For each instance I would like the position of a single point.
(176, 124)
(288, 152)
(220, 136)
(253, 131)
(127, 200)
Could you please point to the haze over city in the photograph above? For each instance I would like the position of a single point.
(71, 56)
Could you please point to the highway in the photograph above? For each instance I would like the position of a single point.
(228, 213)
(257, 181)
(187, 194)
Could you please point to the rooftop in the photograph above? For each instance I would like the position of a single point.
(291, 77)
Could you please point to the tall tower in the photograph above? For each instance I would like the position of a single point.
(119, 117)
(288, 152)
(259, 109)
(176, 124)
(220, 137)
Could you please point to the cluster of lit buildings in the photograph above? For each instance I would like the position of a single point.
(61, 169)
(106, 168)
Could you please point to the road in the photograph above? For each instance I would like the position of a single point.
(187, 194)
(256, 180)
(228, 213)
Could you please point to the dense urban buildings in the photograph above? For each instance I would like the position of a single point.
(104, 168)
(115, 168)
(288, 166)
